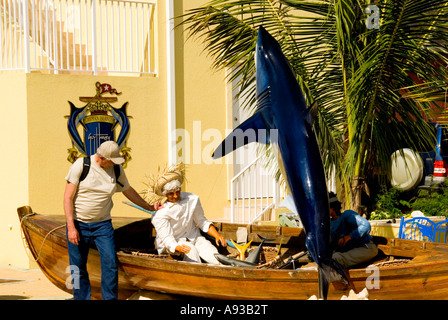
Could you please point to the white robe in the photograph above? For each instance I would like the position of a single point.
(180, 223)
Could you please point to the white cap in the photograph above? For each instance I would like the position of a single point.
(111, 151)
(333, 199)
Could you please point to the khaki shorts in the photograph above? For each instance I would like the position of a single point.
(357, 255)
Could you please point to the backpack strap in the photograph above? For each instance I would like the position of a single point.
(117, 174)
(85, 168)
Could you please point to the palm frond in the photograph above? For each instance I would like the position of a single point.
(375, 88)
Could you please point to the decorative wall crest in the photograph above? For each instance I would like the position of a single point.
(99, 121)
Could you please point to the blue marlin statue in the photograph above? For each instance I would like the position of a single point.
(283, 119)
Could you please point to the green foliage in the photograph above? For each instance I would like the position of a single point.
(389, 204)
(432, 202)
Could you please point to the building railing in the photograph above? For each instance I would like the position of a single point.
(253, 194)
(78, 36)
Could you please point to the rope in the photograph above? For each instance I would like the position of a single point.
(395, 262)
(43, 242)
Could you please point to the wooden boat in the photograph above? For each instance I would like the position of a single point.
(403, 269)
(46, 240)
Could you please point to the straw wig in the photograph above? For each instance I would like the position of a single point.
(154, 191)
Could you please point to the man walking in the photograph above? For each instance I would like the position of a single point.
(87, 206)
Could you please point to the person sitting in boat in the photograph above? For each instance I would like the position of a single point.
(179, 223)
(350, 236)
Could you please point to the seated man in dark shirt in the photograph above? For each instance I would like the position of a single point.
(350, 236)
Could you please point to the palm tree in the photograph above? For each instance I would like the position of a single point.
(374, 84)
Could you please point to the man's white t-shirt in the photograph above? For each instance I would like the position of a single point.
(93, 199)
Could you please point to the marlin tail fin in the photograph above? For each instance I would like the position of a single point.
(241, 248)
(328, 273)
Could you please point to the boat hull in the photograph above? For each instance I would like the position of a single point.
(427, 279)
(46, 240)
(424, 275)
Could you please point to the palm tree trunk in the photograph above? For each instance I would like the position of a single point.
(357, 187)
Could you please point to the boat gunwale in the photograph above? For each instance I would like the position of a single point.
(208, 270)
(177, 266)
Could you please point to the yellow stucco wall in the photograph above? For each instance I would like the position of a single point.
(202, 110)
(14, 164)
(36, 141)
(48, 97)
(35, 138)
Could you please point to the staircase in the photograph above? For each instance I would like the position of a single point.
(254, 195)
(78, 36)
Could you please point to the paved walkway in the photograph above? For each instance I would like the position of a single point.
(31, 284)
